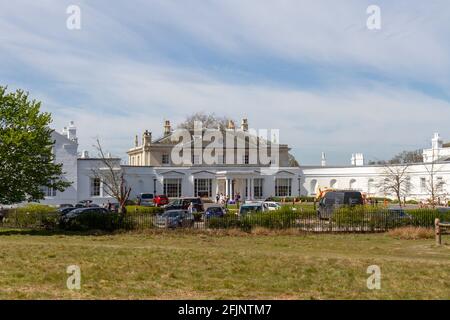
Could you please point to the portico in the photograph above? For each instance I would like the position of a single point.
(230, 183)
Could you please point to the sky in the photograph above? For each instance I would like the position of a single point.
(312, 69)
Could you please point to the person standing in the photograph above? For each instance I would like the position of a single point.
(217, 198)
(237, 198)
(191, 208)
(227, 199)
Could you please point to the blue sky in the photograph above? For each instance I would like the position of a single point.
(310, 68)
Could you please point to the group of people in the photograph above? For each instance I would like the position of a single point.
(225, 199)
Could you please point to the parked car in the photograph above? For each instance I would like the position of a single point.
(64, 211)
(272, 206)
(214, 212)
(66, 205)
(86, 204)
(145, 199)
(160, 200)
(398, 212)
(252, 208)
(174, 219)
(443, 209)
(74, 214)
(183, 204)
(336, 199)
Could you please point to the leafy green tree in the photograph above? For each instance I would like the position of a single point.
(26, 157)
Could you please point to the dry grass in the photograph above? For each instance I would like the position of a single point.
(221, 265)
(412, 233)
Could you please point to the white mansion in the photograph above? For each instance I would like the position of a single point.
(150, 169)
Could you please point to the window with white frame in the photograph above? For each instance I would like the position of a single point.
(172, 187)
(258, 188)
(203, 188)
(283, 187)
(195, 159)
(423, 184)
(439, 184)
(245, 159)
(165, 159)
(48, 191)
(95, 187)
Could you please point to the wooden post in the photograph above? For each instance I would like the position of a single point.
(437, 231)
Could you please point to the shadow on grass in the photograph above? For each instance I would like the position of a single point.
(33, 232)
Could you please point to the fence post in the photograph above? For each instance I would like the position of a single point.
(437, 231)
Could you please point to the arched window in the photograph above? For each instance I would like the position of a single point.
(333, 183)
(352, 184)
(313, 186)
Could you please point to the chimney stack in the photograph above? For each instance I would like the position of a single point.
(359, 159)
(167, 128)
(244, 125)
(146, 138)
(323, 160)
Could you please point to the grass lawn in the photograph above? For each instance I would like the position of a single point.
(175, 265)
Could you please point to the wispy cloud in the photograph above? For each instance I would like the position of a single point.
(310, 68)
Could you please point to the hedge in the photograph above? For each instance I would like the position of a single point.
(144, 209)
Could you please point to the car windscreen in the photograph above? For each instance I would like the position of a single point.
(145, 196)
(353, 198)
(246, 209)
(171, 214)
(193, 200)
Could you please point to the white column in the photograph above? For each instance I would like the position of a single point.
(252, 189)
(247, 187)
(227, 185)
(231, 188)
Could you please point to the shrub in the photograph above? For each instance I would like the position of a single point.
(426, 217)
(31, 219)
(143, 209)
(94, 221)
(349, 216)
(35, 208)
(227, 221)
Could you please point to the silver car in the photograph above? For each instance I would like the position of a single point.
(175, 219)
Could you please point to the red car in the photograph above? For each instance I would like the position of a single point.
(160, 200)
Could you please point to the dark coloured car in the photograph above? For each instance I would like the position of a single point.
(66, 210)
(336, 199)
(161, 200)
(183, 204)
(66, 205)
(86, 204)
(214, 212)
(398, 213)
(76, 213)
(175, 219)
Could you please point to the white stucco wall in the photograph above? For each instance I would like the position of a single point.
(65, 152)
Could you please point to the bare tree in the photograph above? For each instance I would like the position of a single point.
(112, 177)
(396, 181)
(401, 158)
(210, 121)
(434, 184)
